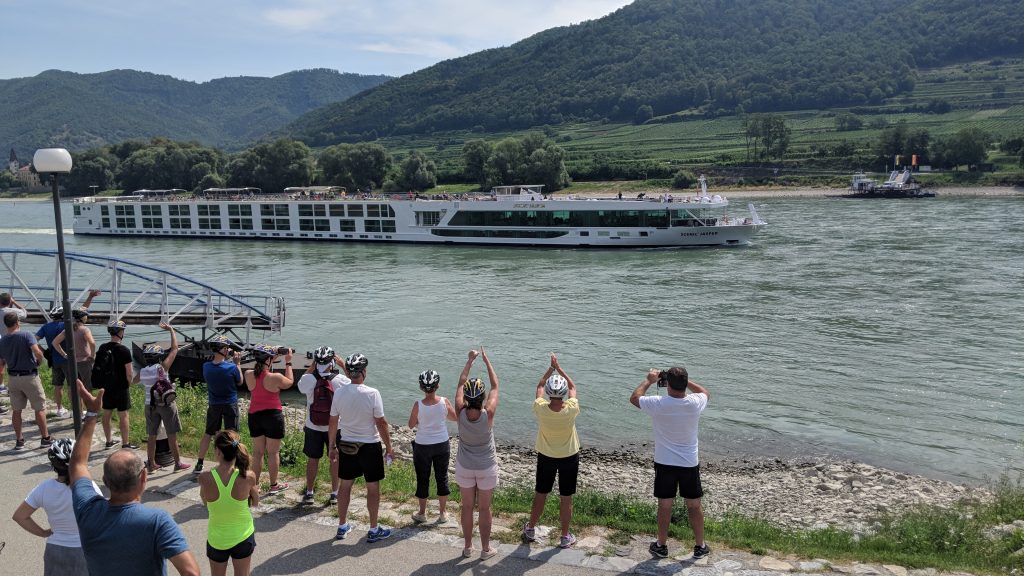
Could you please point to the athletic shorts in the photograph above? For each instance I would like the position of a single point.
(64, 561)
(483, 479)
(315, 443)
(368, 463)
(217, 414)
(243, 549)
(117, 399)
(57, 375)
(568, 470)
(269, 423)
(168, 415)
(26, 390)
(672, 480)
(84, 369)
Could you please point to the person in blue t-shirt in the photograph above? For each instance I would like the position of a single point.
(121, 535)
(57, 362)
(223, 376)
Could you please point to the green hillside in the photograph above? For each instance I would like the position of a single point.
(79, 111)
(710, 57)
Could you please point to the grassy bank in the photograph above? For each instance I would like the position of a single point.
(960, 538)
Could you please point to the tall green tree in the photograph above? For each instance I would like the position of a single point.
(273, 166)
(474, 156)
(415, 172)
(355, 165)
(969, 146)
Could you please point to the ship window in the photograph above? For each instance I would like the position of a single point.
(584, 233)
(104, 210)
(429, 218)
(77, 210)
(643, 234)
(364, 236)
(239, 210)
(281, 209)
(355, 211)
(240, 223)
(152, 210)
(105, 223)
(387, 225)
(312, 210)
(178, 210)
(275, 224)
(152, 222)
(373, 210)
(123, 222)
(180, 223)
(390, 212)
(337, 210)
(124, 210)
(347, 225)
(498, 233)
(209, 223)
(371, 225)
(317, 224)
(602, 233)
(208, 210)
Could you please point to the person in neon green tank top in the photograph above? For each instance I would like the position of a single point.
(228, 490)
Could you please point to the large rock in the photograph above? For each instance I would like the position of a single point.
(775, 565)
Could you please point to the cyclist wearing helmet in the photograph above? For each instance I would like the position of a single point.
(84, 345)
(114, 373)
(431, 447)
(266, 420)
(476, 464)
(158, 363)
(49, 331)
(558, 448)
(63, 555)
(223, 376)
(357, 426)
(319, 384)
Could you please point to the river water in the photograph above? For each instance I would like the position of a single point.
(891, 332)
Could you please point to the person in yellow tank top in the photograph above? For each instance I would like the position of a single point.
(558, 448)
(228, 490)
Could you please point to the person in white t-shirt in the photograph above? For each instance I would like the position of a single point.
(676, 467)
(318, 412)
(356, 429)
(63, 555)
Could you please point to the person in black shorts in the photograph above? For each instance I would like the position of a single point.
(114, 376)
(319, 383)
(223, 376)
(675, 418)
(266, 418)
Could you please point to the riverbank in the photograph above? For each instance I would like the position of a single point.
(629, 191)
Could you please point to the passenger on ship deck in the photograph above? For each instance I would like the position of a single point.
(266, 418)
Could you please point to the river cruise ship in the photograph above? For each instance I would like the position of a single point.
(509, 215)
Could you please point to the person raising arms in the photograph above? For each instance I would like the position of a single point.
(431, 446)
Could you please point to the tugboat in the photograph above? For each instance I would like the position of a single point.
(899, 185)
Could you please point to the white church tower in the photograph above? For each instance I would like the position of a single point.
(13, 164)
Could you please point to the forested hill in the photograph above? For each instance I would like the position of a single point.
(79, 111)
(712, 56)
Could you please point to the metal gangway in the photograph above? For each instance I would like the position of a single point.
(133, 292)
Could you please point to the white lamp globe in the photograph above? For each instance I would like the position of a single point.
(48, 160)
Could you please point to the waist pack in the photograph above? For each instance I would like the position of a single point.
(163, 392)
(349, 448)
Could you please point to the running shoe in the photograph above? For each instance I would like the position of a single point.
(62, 413)
(442, 519)
(419, 518)
(4, 390)
(109, 445)
(332, 500)
(3, 409)
(307, 498)
(153, 468)
(181, 466)
(278, 488)
(529, 534)
(701, 551)
(567, 541)
(488, 553)
(377, 535)
(129, 446)
(343, 531)
(198, 467)
(45, 442)
(19, 444)
(659, 550)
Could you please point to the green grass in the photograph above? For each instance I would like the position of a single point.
(928, 536)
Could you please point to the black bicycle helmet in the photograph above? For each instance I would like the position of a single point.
(429, 380)
(79, 315)
(57, 312)
(473, 388)
(356, 363)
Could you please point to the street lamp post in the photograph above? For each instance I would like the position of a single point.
(57, 161)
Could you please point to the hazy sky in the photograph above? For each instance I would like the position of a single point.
(195, 40)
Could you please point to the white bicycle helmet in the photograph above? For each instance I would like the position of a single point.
(60, 454)
(356, 363)
(429, 380)
(556, 386)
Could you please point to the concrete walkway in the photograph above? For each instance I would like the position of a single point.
(293, 539)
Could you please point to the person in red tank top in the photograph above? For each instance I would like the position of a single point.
(266, 421)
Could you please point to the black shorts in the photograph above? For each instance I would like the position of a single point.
(368, 463)
(315, 443)
(681, 480)
(269, 423)
(218, 413)
(243, 549)
(116, 399)
(568, 470)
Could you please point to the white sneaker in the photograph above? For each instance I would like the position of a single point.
(62, 413)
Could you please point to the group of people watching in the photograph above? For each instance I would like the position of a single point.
(344, 417)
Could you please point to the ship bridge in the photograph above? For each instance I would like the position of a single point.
(133, 292)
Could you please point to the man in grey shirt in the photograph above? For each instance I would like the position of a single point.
(21, 356)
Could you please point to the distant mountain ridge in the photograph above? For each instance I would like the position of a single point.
(713, 56)
(77, 111)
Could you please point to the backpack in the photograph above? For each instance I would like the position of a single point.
(103, 366)
(162, 393)
(323, 397)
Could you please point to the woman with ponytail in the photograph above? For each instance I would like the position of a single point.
(228, 490)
